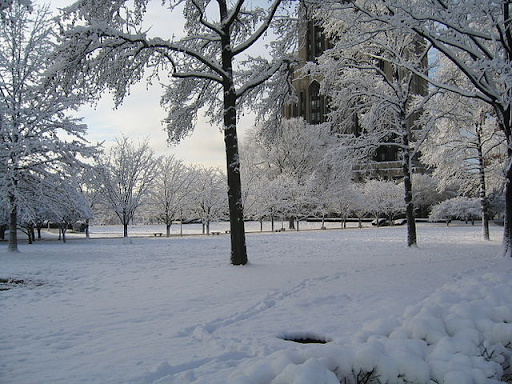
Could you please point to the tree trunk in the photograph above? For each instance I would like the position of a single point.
(236, 210)
(125, 229)
(168, 230)
(409, 206)
(13, 224)
(29, 235)
(272, 222)
(64, 228)
(507, 234)
(235, 203)
(291, 223)
(87, 234)
(261, 224)
(2, 232)
(505, 121)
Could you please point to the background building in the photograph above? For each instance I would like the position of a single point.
(313, 107)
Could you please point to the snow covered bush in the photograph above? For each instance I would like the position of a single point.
(461, 334)
(462, 208)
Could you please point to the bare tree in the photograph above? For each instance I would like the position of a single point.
(104, 46)
(208, 195)
(125, 178)
(171, 191)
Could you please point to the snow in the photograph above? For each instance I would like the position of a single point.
(158, 310)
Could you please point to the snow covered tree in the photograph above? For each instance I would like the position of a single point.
(476, 36)
(208, 195)
(125, 177)
(5, 5)
(38, 137)
(375, 102)
(66, 205)
(463, 208)
(383, 198)
(105, 46)
(293, 147)
(290, 150)
(427, 192)
(170, 192)
(88, 186)
(466, 146)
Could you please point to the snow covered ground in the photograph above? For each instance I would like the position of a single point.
(158, 310)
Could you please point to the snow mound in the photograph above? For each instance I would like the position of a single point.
(461, 334)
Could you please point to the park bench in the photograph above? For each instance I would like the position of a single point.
(159, 234)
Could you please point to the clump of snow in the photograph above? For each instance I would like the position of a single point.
(461, 334)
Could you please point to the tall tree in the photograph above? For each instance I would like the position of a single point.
(37, 137)
(104, 46)
(375, 102)
(466, 146)
(476, 36)
(125, 178)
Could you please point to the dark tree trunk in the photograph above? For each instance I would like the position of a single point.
(64, 228)
(291, 223)
(236, 209)
(3, 228)
(13, 224)
(125, 229)
(505, 122)
(507, 234)
(29, 235)
(87, 234)
(168, 229)
(236, 216)
(409, 206)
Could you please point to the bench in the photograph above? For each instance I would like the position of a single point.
(227, 232)
(215, 233)
(159, 234)
(280, 230)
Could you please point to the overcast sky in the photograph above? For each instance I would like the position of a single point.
(140, 115)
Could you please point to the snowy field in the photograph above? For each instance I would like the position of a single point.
(158, 310)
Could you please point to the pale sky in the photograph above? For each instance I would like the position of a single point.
(140, 115)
